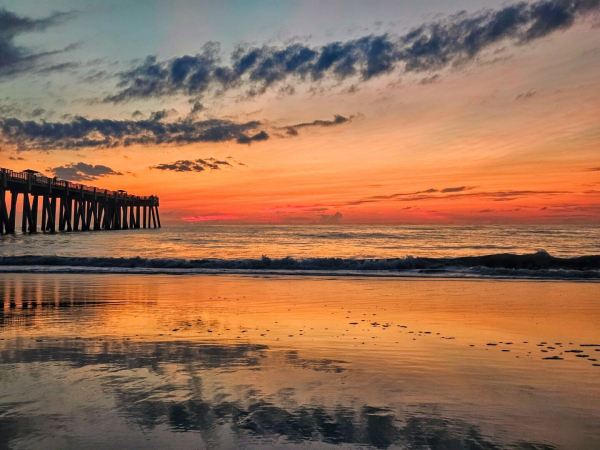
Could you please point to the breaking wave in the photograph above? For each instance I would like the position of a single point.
(506, 265)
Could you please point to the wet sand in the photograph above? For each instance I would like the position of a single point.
(107, 361)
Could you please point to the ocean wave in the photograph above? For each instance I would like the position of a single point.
(506, 265)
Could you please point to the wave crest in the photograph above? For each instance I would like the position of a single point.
(535, 265)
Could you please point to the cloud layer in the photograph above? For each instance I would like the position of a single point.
(432, 46)
(80, 132)
(105, 133)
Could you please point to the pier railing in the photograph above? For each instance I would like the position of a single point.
(42, 180)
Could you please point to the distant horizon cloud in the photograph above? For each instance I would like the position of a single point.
(456, 193)
(331, 219)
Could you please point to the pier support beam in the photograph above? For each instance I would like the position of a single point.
(4, 219)
(27, 220)
(49, 214)
(153, 216)
(13, 212)
(131, 217)
(100, 210)
(34, 214)
(157, 216)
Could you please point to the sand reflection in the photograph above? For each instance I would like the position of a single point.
(234, 361)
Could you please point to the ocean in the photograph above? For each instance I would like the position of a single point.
(223, 337)
(549, 252)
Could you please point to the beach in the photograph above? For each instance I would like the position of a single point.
(224, 361)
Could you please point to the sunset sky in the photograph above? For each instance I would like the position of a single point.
(309, 111)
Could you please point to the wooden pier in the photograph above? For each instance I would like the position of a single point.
(70, 206)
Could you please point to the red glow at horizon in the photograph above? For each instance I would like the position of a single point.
(212, 217)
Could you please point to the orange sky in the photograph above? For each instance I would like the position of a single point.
(512, 136)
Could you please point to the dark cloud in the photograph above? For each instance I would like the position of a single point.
(13, 58)
(593, 169)
(80, 132)
(431, 46)
(198, 165)
(292, 130)
(82, 172)
(456, 189)
(245, 139)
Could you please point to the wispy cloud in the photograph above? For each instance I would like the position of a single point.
(526, 95)
(292, 130)
(15, 59)
(454, 193)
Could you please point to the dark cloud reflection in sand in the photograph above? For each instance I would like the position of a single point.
(251, 416)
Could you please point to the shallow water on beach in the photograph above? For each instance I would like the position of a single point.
(121, 361)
